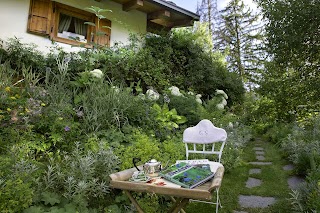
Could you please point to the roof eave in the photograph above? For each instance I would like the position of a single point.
(168, 5)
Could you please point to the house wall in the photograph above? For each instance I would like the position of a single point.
(14, 19)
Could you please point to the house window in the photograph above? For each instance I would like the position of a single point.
(69, 25)
(66, 24)
(72, 28)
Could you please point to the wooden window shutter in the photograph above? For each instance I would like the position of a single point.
(40, 16)
(105, 27)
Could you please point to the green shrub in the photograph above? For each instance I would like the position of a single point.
(142, 146)
(278, 132)
(307, 197)
(238, 137)
(15, 195)
(300, 146)
(17, 176)
(22, 55)
(81, 177)
(187, 107)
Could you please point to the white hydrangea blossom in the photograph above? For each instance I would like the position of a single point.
(152, 95)
(220, 106)
(142, 96)
(96, 73)
(198, 98)
(175, 91)
(224, 102)
(190, 93)
(221, 92)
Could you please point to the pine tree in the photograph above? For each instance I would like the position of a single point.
(239, 35)
(208, 12)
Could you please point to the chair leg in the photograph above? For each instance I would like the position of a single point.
(218, 202)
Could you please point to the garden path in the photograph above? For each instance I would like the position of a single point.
(254, 201)
(260, 184)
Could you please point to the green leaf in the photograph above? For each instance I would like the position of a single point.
(93, 9)
(101, 16)
(104, 10)
(50, 198)
(34, 209)
(182, 120)
(90, 23)
(165, 108)
(113, 209)
(106, 27)
(157, 108)
(70, 208)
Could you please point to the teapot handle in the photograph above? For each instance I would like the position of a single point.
(134, 161)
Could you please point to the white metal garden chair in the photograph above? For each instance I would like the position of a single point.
(205, 138)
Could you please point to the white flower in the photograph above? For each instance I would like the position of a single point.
(142, 96)
(230, 125)
(198, 98)
(96, 73)
(152, 95)
(190, 93)
(221, 92)
(175, 91)
(220, 106)
(224, 102)
(115, 88)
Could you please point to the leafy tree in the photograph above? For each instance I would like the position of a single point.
(292, 29)
(292, 78)
(239, 34)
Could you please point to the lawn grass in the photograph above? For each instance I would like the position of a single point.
(274, 183)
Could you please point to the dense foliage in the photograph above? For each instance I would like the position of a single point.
(287, 106)
(69, 120)
(292, 77)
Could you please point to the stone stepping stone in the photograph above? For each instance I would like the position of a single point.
(254, 171)
(255, 201)
(288, 167)
(260, 157)
(253, 182)
(294, 182)
(260, 163)
(258, 149)
(259, 152)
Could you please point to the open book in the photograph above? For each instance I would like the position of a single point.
(187, 175)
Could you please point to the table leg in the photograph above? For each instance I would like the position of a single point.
(134, 202)
(180, 203)
(174, 200)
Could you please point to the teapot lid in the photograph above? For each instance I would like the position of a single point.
(153, 162)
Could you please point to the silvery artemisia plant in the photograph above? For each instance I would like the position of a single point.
(80, 175)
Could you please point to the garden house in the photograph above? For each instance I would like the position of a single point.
(44, 21)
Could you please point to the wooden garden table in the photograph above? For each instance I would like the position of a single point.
(182, 196)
